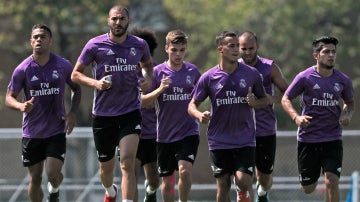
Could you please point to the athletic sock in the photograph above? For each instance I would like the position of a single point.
(52, 189)
(110, 191)
(150, 190)
(261, 191)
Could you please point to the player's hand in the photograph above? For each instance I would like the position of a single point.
(250, 98)
(205, 117)
(104, 83)
(144, 84)
(165, 83)
(69, 122)
(345, 119)
(28, 105)
(303, 121)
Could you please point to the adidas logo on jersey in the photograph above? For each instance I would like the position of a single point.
(110, 52)
(34, 78)
(316, 86)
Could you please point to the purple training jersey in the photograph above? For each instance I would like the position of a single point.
(320, 99)
(232, 123)
(174, 122)
(120, 61)
(265, 117)
(148, 117)
(47, 85)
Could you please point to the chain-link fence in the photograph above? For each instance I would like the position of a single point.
(82, 183)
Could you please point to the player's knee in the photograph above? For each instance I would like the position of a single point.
(185, 170)
(331, 180)
(35, 180)
(308, 189)
(127, 165)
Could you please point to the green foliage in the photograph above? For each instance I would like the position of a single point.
(286, 29)
(63, 17)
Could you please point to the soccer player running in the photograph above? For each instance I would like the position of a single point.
(146, 155)
(265, 117)
(178, 132)
(234, 90)
(43, 77)
(322, 89)
(116, 110)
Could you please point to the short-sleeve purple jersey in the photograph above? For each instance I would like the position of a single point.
(120, 61)
(232, 123)
(148, 118)
(148, 123)
(174, 122)
(47, 85)
(265, 117)
(320, 99)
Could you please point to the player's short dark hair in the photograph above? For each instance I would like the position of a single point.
(220, 38)
(42, 26)
(120, 8)
(318, 43)
(146, 34)
(249, 35)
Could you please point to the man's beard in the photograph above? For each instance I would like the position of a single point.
(326, 66)
(329, 66)
(250, 61)
(119, 34)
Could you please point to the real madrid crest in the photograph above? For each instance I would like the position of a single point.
(132, 51)
(242, 83)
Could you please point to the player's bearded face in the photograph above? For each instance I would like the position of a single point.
(250, 58)
(326, 65)
(119, 30)
(326, 57)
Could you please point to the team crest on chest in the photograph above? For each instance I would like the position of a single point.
(132, 51)
(242, 83)
(218, 86)
(55, 74)
(188, 79)
(337, 87)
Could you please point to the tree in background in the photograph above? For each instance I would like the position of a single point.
(284, 28)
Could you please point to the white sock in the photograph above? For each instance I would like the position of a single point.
(52, 189)
(261, 191)
(127, 200)
(110, 191)
(150, 190)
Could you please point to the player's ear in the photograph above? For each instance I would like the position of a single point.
(219, 48)
(315, 55)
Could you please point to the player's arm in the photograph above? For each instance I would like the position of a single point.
(147, 71)
(257, 102)
(279, 81)
(148, 100)
(79, 77)
(301, 120)
(193, 110)
(348, 111)
(70, 117)
(12, 102)
(289, 107)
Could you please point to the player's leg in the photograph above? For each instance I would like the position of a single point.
(35, 178)
(128, 147)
